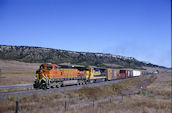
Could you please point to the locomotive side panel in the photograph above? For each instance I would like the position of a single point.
(96, 74)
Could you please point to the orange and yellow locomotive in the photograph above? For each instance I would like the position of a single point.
(52, 75)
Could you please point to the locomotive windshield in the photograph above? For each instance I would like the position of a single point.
(46, 67)
(49, 68)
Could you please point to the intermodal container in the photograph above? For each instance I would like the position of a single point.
(136, 73)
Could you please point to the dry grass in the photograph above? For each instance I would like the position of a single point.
(129, 104)
(132, 104)
(161, 87)
(130, 84)
(30, 102)
(15, 72)
(107, 90)
(11, 66)
(19, 78)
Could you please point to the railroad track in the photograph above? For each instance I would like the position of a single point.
(30, 92)
(16, 86)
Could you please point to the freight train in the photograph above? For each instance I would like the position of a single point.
(52, 75)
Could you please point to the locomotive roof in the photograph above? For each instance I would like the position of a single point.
(48, 64)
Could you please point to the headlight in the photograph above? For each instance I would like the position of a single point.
(36, 76)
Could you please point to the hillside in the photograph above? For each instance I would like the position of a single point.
(40, 55)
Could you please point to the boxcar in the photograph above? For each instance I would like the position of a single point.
(111, 74)
(123, 74)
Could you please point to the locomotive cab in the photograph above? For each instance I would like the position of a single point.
(46, 70)
(44, 73)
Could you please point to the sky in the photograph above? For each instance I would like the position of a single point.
(132, 28)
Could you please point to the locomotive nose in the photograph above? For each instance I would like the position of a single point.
(41, 71)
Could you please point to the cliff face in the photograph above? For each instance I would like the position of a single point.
(45, 55)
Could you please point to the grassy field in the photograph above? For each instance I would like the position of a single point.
(104, 99)
(14, 72)
(155, 98)
(161, 88)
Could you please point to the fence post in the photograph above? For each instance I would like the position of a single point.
(110, 100)
(17, 104)
(0, 72)
(93, 105)
(122, 97)
(65, 105)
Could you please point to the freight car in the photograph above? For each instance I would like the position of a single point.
(123, 74)
(52, 75)
(112, 74)
(136, 73)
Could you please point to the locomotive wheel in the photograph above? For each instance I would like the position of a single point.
(78, 83)
(58, 85)
(35, 86)
(91, 81)
(81, 83)
(43, 86)
(103, 79)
